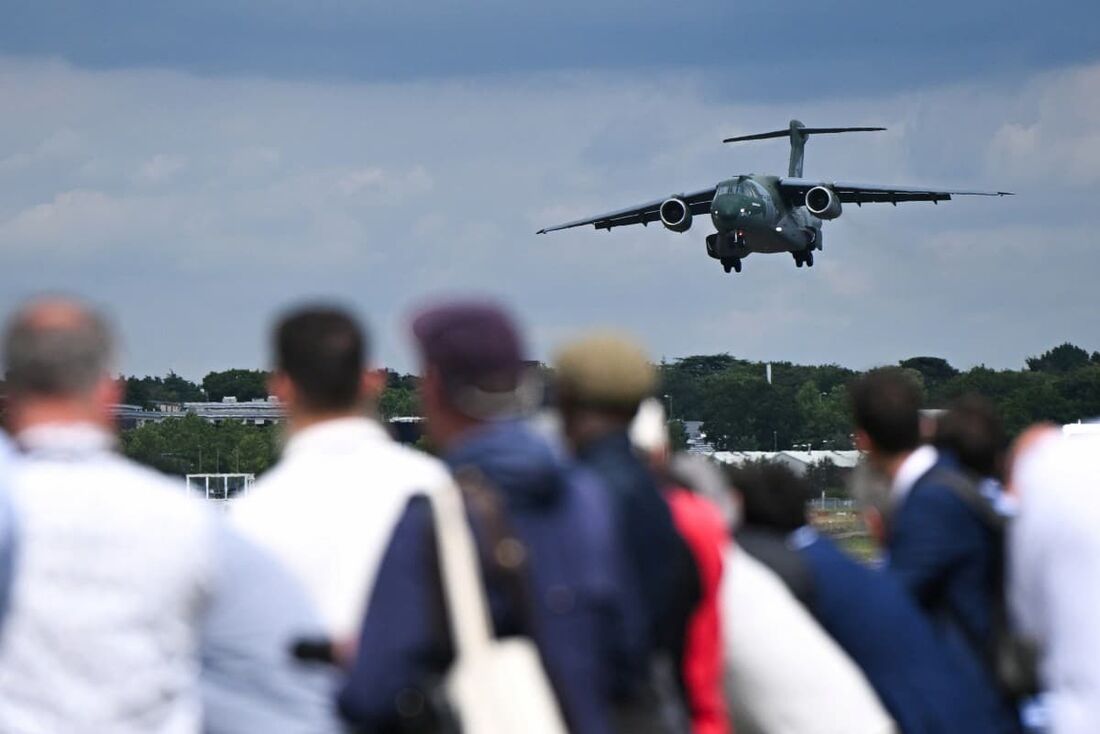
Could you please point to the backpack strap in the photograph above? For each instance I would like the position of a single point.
(506, 557)
(966, 487)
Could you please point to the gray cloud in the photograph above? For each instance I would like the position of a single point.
(748, 50)
(196, 207)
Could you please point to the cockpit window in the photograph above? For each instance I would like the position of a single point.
(750, 190)
(725, 188)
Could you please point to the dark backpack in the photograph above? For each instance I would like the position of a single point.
(1012, 659)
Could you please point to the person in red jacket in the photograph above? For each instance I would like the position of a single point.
(702, 525)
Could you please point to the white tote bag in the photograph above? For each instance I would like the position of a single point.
(495, 686)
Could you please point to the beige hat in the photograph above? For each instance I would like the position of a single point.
(604, 369)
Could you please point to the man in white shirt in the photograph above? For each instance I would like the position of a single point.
(7, 529)
(328, 508)
(1054, 571)
(121, 606)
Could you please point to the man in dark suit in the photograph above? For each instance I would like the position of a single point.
(940, 547)
(921, 682)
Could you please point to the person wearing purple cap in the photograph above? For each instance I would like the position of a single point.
(475, 389)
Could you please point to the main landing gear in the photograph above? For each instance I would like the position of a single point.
(731, 263)
(805, 257)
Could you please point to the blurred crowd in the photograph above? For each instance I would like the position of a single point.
(550, 566)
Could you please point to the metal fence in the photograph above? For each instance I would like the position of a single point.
(220, 488)
(833, 504)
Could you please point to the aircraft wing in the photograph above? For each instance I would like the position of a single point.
(698, 202)
(854, 193)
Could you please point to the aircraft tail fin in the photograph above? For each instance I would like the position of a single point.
(798, 134)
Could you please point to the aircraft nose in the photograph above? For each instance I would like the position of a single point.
(728, 208)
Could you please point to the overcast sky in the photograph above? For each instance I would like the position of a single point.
(195, 167)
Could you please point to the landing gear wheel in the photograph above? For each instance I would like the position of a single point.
(797, 258)
(809, 258)
(737, 265)
(731, 263)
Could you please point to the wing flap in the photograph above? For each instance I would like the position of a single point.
(856, 193)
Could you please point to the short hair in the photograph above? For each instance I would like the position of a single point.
(323, 350)
(772, 495)
(56, 348)
(886, 405)
(972, 430)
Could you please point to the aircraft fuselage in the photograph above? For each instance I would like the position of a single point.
(751, 216)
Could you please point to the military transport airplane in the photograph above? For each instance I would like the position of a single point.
(755, 213)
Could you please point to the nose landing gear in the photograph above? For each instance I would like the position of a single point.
(731, 263)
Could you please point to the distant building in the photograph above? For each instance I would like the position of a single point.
(1090, 429)
(252, 412)
(131, 416)
(798, 461)
(406, 429)
(696, 439)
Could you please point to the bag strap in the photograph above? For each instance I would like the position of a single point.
(460, 573)
(506, 558)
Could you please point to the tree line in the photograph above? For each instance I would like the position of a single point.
(803, 407)
(807, 406)
(398, 399)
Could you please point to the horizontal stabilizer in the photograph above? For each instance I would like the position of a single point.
(799, 133)
(803, 131)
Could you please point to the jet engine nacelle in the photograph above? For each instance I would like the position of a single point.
(675, 214)
(823, 203)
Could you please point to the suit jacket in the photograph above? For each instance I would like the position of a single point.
(946, 556)
(921, 681)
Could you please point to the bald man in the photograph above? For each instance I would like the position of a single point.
(127, 594)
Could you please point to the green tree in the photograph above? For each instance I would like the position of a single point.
(824, 416)
(398, 401)
(145, 391)
(827, 478)
(677, 435)
(191, 445)
(243, 385)
(933, 370)
(399, 380)
(1062, 358)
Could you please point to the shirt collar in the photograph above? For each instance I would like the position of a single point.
(915, 466)
(335, 434)
(65, 439)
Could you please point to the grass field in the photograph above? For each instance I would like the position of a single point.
(847, 529)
